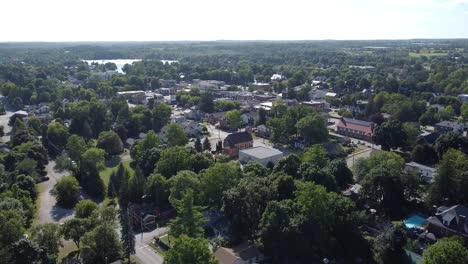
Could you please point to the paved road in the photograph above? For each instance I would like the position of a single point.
(6, 128)
(48, 211)
(145, 253)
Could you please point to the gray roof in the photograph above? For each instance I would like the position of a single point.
(357, 122)
(261, 152)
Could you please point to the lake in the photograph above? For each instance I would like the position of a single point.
(121, 62)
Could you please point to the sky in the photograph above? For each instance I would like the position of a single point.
(156, 20)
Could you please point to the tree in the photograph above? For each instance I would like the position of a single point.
(176, 135)
(206, 145)
(234, 119)
(289, 165)
(172, 161)
(110, 142)
(340, 171)
(316, 155)
(312, 128)
(11, 227)
(136, 187)
(48, 237)
(198, 145)
(190, 250)
(57, 134)
(150, 141)
(181, 183)
(244, 203)
(27, 251)
(262, 117)
(67, 191)
(157, 190)
(161, 115)
(85, 209)
(424, 154)
(255, 169)
(389, 246)
(445, 251)
(217, 179)
(148, 160)
(127, 236)
(464, 112)
(92, 157)
(189, 220)
(412, 132)
(74, 229)
(76, 146)
(206, 103)
(100, 245)
(321, 176)
(390, 135)
(453, 140)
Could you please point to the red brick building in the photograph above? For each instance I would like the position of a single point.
(355, 128)
(237, 141)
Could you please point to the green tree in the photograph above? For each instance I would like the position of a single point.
(390, 135)
(316, 155)
(48, 237)
(150, 141)
(67, 191)
(127, 237)
(289, 165)
(110, 142)
(198, 145)
(389, 247)
(206, 102)
(445, 251)
(206, 144)
(181, 183)
(161, 114)
(190, 250)
(176, 135)
(27, 251)
(85, 209)
(217, 179)
(189, 220)
(92, 157)
(74, 229)
(173, 160)
(57, 134)
(101, 245)
(340, 171)
(76, 146)
(234, 119)
(464, 112)
(11, 227)
(157, 190)
(312, 128)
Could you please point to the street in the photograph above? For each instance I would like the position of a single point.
(143, 251)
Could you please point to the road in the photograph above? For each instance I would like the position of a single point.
(6, 128)
(143, 251)
(48, 211)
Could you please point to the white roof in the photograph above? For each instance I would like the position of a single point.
(261, 152)
(420, 166)
(330, 94)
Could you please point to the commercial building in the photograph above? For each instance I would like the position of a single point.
(260, 154)
(355, 128)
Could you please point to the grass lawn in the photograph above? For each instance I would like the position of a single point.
(68, 247)
(105, 173)
(427, 54)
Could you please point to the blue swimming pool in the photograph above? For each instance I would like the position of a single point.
(415, 221)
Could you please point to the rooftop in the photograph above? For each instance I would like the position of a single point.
(261, 152)
(238, 137)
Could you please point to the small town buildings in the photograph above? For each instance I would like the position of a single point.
(425, 171)
(263, 131)
(355, 128)
(260, 154)
(316, 105)
(449, 126)
(449, 221)
(427, 137)
(135, 97)
(237, 141)
(218, 117)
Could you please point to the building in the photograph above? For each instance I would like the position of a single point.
(218, 117)
(260, 154)
(237, 141)
(425, 171)
(449, 221)
(242, 254)
(263, 131)
(316, 105)
(463, 98)
(449, 126)
(136, 97)
(355, 128)
(277, 77)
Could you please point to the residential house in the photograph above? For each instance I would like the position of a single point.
(425, 171)
(237, 141)
(427, 137)
(316, 105)
(242, 254)
(449, 126)
(449, 221)
(248, 118)
(218, 117)
(463, 98)
(263, 131)
(136, 97)
(277, 77)
(355, 128)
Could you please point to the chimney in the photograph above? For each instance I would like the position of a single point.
(461, 223)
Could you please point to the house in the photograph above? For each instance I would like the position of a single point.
(242, 254)
(355, 128)
(248, 118)
(425, 171)
(277, 77)
(218, 117)
(316, 94)
(263, 131)
(463, 98)
(237, 141)
(260, 154)
(136, 97)
(449, 126)
(316, 105)
(449, 221)
(428, 138)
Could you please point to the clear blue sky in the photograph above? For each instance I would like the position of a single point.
(146, 20)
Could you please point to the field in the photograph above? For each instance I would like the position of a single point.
(105, 174)
(427, 54)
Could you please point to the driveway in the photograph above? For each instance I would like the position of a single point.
(143, 251)
(6, 128)
(48, 211)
